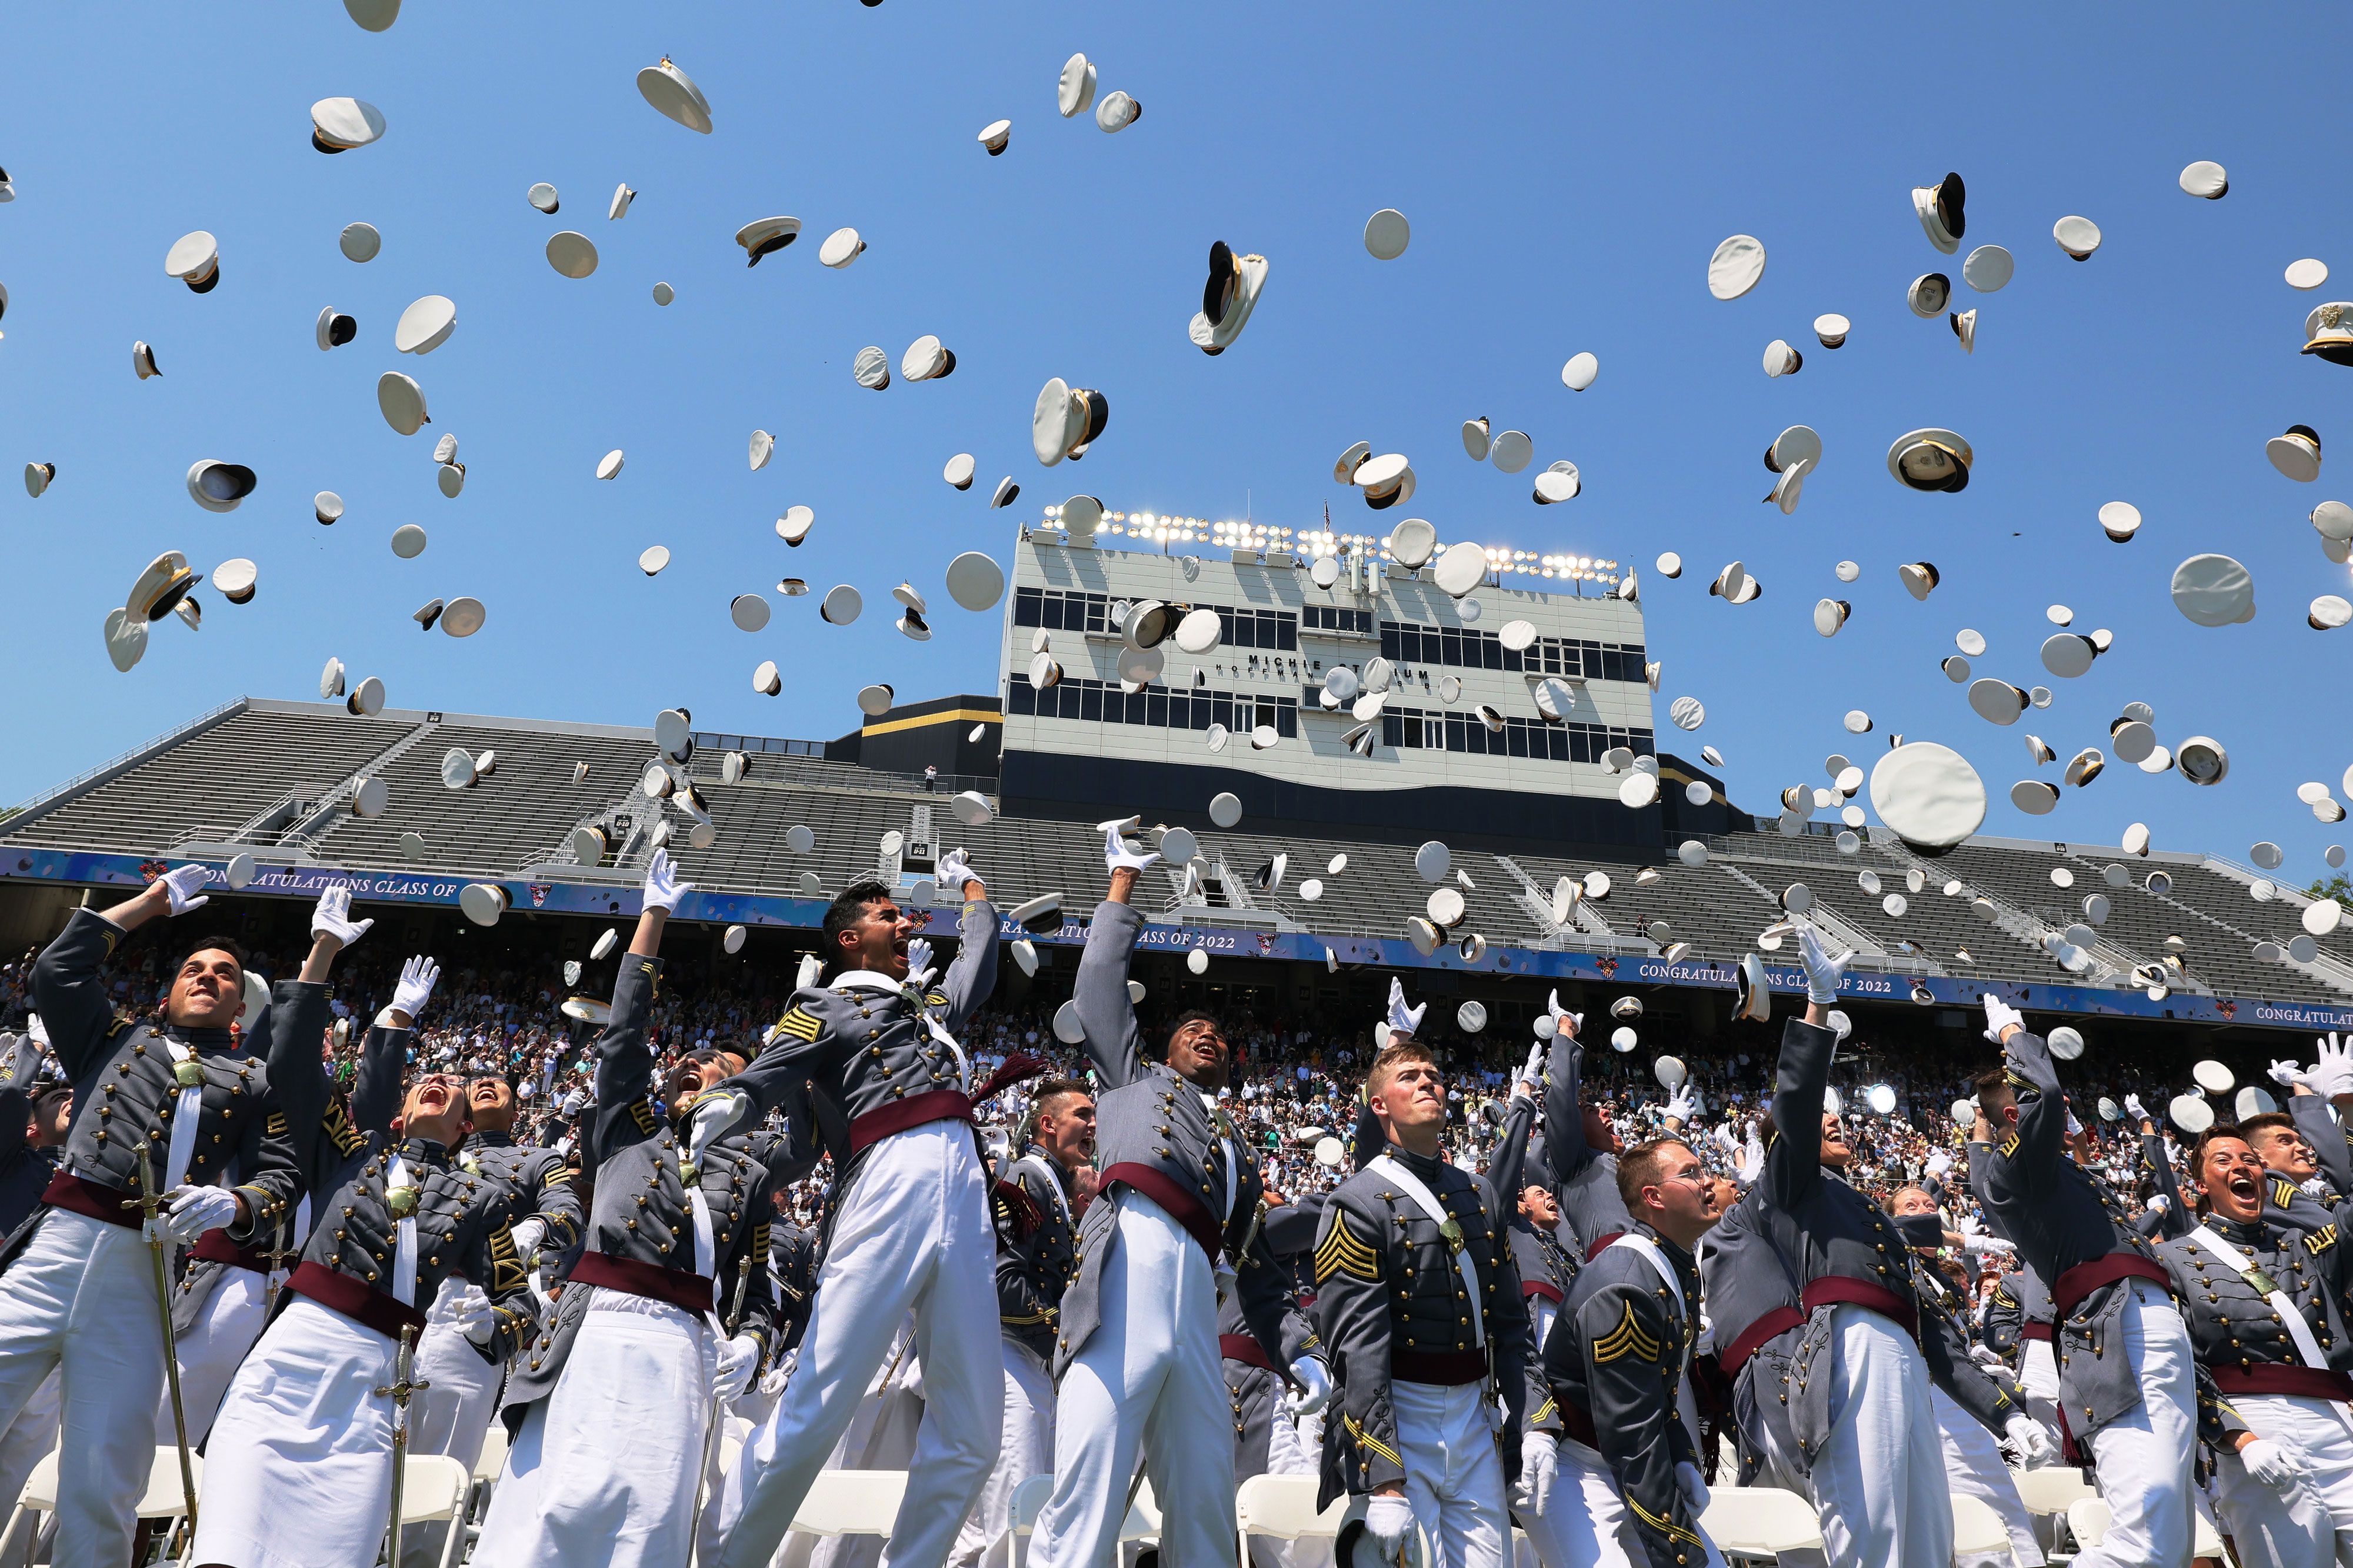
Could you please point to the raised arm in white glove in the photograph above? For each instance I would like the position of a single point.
(2134, 1108)
(954, 871)
(182, 885)
(1823, 969)
(715, 1111)
(1562, 1018)
(1683, 1105)
(1530, 1077)
(739, 1358)
(663, 889)
(1402, 1019)
(409, 997)
(1539, 1468)
(332, 916)
(1315, 1390)
(2331, 1074)
(195, 1210)
(919, 962)
(2000, 1017)
(1936, 1164)
(1120, 856)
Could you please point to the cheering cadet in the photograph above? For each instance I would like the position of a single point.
(1859, 1404)
(78, 1291)
(1545, 1267)
(1271, 1435)
(454, 1413)
(2127, 1377)
(2267, 1311)
(222, 1300)
(1753, 1300)
(36, 1115)
(887, 1087)
(1036, 1248)
(1428, 1333)
(1176, 1225)
(1628, 1490)
(611, 1409)
(1579, 1143)
(299, 1470)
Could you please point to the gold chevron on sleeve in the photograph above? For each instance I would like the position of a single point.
(276, 1126)
(557, 1176)
(2321, 1240)
(507, 1275)
(643, 1115)
(1629, 1338)
(1367, 1440)
(800, 1024)
(1341, 1251)
(1666, 1527)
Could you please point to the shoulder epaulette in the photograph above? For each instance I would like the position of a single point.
(2283, 1192)
(935, 999)
(642, 1113)
(2321, 1240)
(2008, 1147)
(800, 1024)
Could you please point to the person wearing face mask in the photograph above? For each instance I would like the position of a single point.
(611, 1409)
(77, 1285)
(2266, 1305)
(453, 1415)
(1175, 1227)
(297, 1471)
(887, 1086)
(1859, 1405)
(1629, 1492)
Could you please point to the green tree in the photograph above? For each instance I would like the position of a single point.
(2340, 887)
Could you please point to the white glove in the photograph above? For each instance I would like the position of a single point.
(1823, 972)
(2158, 1202)
(1403, 1019)
(415, 987)
(195, 1210)
(1937, 1164)
(1387, 1521)
(919, 962)
(2034, 1446)
(663, 889)
(1985, 1357)
(1539, 1467)
(1526, 1082)
(715, 1110)
(2273, 1466)
(1693, 1486)
(2000, 1015)
(527, 1235)
(1117, 854)
(579, 1100)
(2332, 1068)
(474, 1317)
(1704, 1342)
(2075, 1128)
(333, 915)
(2134, 1108)
(1574, 1021)
(739, 1358)
(2287, 1075)
(954, 871)
(180, 886)
(1315, 1390)
(1684, 1105)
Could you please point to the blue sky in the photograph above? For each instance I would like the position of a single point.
(1566, 174)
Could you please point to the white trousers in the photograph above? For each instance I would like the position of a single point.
(1585, 1524)
(1149, 1378)
(1292, 1452)
(1879, 1481)
(1453, 1473)
(603, 1469)
(2038, 1379)
(210, 1352)
(80, 1301)
(299, 1470)
(2143, 1457)
(914, 1234)
(453, 1416)
(1975, 1468)
(1025, 1448)
(2313, 1524)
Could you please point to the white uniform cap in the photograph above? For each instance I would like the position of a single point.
(974, 581)
(794, 525)
(2078, 236)
(1075, 93)
(402, 402)
(2308, 273)
(618, 207)
(674, 95)
(1736, 266)
(1578, 372)
(1116, 112)
(2205, 178)
(995, 135)
(762, 235)
(958, 472)
(761, 447)
(194, 259)
(340, 124)
(2213, 591)
(2296, 453)
(841, 605)
(543, 197)
(1386, 235)
(425, 325)
(572, 253)
(360, 241)
(842, 248)
(1928, 794)
(1987, 267)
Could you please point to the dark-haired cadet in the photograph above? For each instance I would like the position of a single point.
(79, 1289)
(1177, 1226)
(887, 1086)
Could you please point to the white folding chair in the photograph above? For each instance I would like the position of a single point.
(2050, 1489)
(1760, 1522)
(1284, 1507)
(1977, 1529)
(1030, 1499)
(165, 1500)
(852, 1503)
(2089, 1518)
(1142, 1521)
(434, 1489)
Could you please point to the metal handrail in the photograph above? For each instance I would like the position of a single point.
(118, 760)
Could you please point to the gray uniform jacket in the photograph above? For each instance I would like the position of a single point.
(343, 1151)
(1545, 1267)
(1253, 1387)
(208, 1263)
(538, 1179)
(2063, 1217)
(1589, 1203)
(2017, 1310)
(25, 1170)
(1393, 1307)
(1945, 1338)
(640, 1237)
(1155, 1135)
(2332, 1146)
(1615, 1364)
(2174, 1219)
(2243, 1343)
(862, 1051)
(793, 1258)
(1753, 1300)
(1037, 1249)
(126, 1093)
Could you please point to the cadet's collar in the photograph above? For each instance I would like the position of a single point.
(1423, 1165)
(1681, 1259)
(1053, 1165)
(488, 1140)
(2252, 1233)
(423, 1151)
(868, 980)
(202, 1039)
